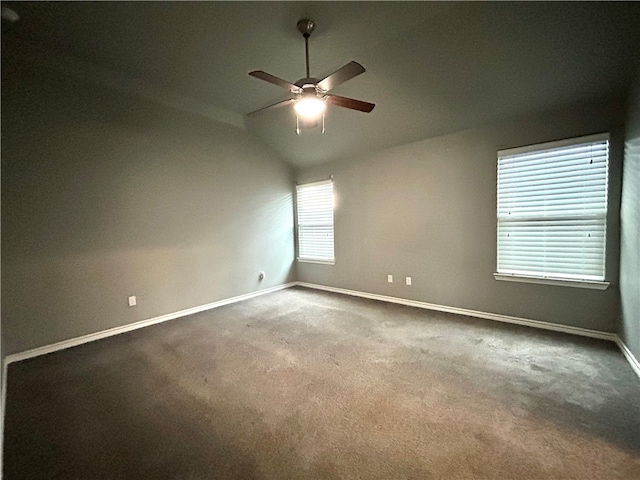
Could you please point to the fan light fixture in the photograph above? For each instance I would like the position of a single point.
(309, 107)
(310, 96)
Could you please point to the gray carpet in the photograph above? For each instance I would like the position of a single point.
(307, 384)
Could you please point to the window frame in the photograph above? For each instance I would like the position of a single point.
(312, 259)
(553, 279)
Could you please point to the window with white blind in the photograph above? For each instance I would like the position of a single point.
(315, 221)
(552, 212)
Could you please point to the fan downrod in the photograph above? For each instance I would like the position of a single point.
(306, 26)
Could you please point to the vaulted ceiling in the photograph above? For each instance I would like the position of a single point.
(432, 67)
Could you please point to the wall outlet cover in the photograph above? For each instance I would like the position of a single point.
(408, 280)
(132, 301)
(390, 278)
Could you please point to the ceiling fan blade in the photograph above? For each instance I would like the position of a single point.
(267, 77)
(351, 103)
(350, 70)
(281, 103)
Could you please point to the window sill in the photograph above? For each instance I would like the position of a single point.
(592, 284)
(311, 260)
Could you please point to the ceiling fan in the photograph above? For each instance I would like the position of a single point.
(310, 95)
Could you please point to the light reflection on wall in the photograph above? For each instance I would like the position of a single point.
(630, 246)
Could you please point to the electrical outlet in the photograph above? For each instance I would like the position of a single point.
(408, 280)
(132, 301)
(390, 278)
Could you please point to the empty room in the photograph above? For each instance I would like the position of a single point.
(288, 240)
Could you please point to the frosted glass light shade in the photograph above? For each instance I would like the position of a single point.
(309, 107)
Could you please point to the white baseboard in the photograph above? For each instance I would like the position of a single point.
(633, 362)
(4, 402)
(35, 352)
(471, 313)
(402, 301)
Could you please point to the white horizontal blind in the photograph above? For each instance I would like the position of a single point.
(315, 221)
(552, 209)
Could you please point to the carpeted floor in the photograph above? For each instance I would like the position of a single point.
(307, 384)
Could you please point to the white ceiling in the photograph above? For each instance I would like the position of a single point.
(432, 67)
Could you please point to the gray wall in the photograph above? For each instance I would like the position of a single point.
(105, 195)
(630, 230)
(428, 210)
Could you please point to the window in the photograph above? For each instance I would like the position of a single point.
(552, 212)
(315, 221)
